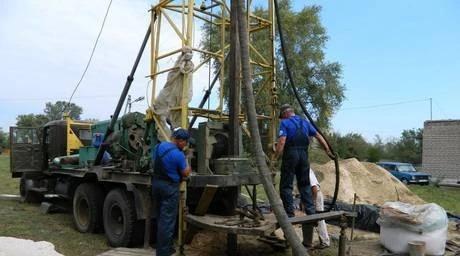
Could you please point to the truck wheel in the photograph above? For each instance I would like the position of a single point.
(28, 196)
(405, 181)
(87, 208)
(119, 218)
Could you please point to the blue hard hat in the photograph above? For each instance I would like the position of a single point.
(181, 134)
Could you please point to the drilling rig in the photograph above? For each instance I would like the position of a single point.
(104, 168)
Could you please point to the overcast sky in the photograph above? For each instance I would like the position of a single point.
(395, 56)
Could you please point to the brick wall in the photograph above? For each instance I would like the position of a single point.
(441, 148)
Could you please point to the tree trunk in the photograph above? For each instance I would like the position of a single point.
(297, 248)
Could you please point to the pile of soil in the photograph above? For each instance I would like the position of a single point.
(371, 183)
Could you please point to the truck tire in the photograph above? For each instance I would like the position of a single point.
(28, 196)
(405, 181)
(87, 208)
(119, 218)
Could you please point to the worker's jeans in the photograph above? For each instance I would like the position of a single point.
(295, 163)
(166, 194)
(322, 228)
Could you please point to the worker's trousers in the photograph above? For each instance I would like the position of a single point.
(295, 163)
(166, 195)
(322, 228)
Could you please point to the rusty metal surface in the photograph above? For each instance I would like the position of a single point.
(232, 224)
(224, 180)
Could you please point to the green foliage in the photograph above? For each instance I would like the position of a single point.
(4, 140)
(409, 147)
(51, 112)
(31, 120)
(375, 151)
(350, 145)
(56, 111)
(317, 80)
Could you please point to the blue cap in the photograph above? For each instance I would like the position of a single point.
(181, 134)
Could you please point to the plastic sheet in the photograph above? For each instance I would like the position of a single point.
(402, 223)
(417, 218)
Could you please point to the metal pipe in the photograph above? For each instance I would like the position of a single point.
(207, 93)
(128, 83)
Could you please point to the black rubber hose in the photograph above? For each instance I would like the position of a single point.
(296, 93)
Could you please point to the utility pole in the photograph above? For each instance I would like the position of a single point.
(431, 108)
(129, 103)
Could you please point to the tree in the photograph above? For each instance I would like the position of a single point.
(56, 111)
(265, 175)
(317, 80)
(51, 112)
(409, 147)
(350, 145)
(375, 151)
(4, 140)
(31, 120)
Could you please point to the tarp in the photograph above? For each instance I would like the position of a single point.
(171, 94)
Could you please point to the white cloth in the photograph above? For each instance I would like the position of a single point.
(319, 204)
(313, 179)
(171, 94)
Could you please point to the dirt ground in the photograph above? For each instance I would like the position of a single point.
(372, 185)
(209, 243)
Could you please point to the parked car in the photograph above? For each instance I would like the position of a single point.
(406, 173)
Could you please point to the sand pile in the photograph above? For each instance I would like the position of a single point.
(371, 183)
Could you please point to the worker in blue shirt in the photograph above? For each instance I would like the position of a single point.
(293, 141)
(169, 167)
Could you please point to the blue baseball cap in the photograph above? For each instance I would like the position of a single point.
(181, 134)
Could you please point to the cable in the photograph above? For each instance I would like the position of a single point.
(147, 93)
(387, 104)
(296, 93)
(92, 53)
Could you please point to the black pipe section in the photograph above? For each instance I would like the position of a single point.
(129, 81)
(296, 93)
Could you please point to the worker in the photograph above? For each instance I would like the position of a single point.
(169, 167)
(318, 199)
(292, 143)
(97, 140)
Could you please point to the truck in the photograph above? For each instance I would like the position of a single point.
(103, 169)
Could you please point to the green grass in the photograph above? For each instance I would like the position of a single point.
(7, 184)
(26, 221)
(446, 197)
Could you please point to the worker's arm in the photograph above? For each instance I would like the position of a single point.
(279, 147)
(314, 191)
(323, 143)
(185, 172)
